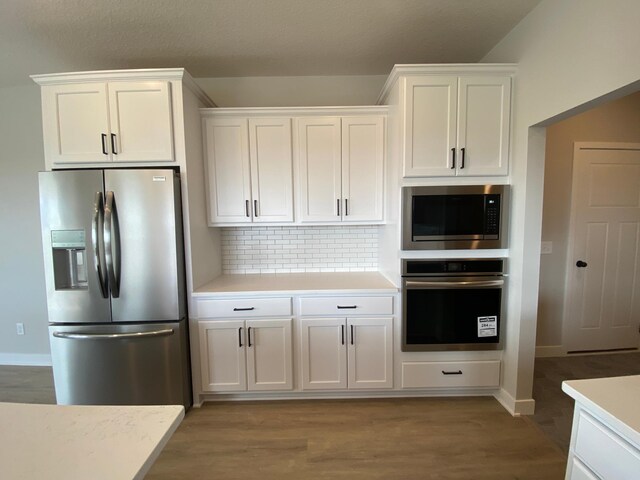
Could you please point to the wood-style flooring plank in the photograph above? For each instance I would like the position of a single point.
(425, 438)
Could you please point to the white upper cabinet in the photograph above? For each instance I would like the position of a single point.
(228, 170)
(140, 120)
(319, 163)
(249, 166)
(341, 163)
(362, 168)
(271, 169)
(98, 122)
(456, 125)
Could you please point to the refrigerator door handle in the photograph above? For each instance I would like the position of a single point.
(98, 213)
(112, 244)
(113, 336)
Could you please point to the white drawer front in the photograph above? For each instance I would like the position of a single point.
(579, 471)
(346, 306)
(450, 374)
(244, 307)
(604, 452)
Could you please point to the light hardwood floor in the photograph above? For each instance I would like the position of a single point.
(426, 438)
(419, 438)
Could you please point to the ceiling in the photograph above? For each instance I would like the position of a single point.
(230, 38)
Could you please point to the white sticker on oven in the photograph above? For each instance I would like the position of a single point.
(487, 326)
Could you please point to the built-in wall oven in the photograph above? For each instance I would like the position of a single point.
(452, 304)
(454, 217)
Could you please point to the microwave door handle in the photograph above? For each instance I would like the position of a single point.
(419, 285)
(98, 250)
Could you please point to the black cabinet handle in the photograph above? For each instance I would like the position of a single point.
(240, 337)
(104, 143)
(236, 309)
(462, 161)
(581, 264)
(453, 158)
(459, 372)
(246, 208)
(342, 329)
(351, 334)
(338, 207)
(255, 208)
(341, 307)
(249, 337)
(113, 144)
(346, 206)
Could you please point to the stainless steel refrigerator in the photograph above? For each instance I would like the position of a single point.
(114, 268)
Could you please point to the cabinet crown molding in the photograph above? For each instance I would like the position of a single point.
(166, 74)
(458, 69)
(295, 111)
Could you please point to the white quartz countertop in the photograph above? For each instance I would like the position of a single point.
(616, 400)
(299, 283)
(83, 442)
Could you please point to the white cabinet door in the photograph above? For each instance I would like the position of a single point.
(370, 352)
(430, 125)
(362, 168)
(483, 125)
(319, 164)
(271, 169)
(229, 184)
(76, 123)
(141, 122)
(222, 356)
(269, 353)
(324, 353)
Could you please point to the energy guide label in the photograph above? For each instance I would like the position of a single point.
(488, 326)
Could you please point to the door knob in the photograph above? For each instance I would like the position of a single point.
(581, 264)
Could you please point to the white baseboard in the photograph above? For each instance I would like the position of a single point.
(30, 359)
(515, 407)
(550, 351)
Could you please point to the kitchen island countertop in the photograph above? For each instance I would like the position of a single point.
(83, 442)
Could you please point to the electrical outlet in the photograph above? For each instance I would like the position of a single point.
(20, 328)
(546, 248)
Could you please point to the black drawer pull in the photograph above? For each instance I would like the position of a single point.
(341, 307)
(459, 372)
(243, 309)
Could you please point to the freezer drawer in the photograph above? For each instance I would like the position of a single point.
(121, 364)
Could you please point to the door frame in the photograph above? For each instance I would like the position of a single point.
(568, 306)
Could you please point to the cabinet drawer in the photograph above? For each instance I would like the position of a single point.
(244, 307)
(604, 452)
(450, 374)
(346, 306)
(579, 471)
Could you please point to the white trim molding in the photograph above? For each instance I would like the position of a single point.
(25, 359)
(515, 407)
(544, 351)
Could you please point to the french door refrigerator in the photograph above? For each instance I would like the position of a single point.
(114, 270)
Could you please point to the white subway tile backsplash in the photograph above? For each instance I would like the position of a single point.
(299, 249)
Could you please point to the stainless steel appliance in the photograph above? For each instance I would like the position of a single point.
(454, 217)
(114, 270)
(452, 304)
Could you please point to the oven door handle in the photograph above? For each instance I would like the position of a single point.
(424, 285)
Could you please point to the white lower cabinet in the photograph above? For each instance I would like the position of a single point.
(597, 451)
(340, 353)
(240, 355)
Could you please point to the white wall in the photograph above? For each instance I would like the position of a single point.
(616, 121)
(569, 52)
(310, 91)
(22, 291)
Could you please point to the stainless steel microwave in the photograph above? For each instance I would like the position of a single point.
(454, 217)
